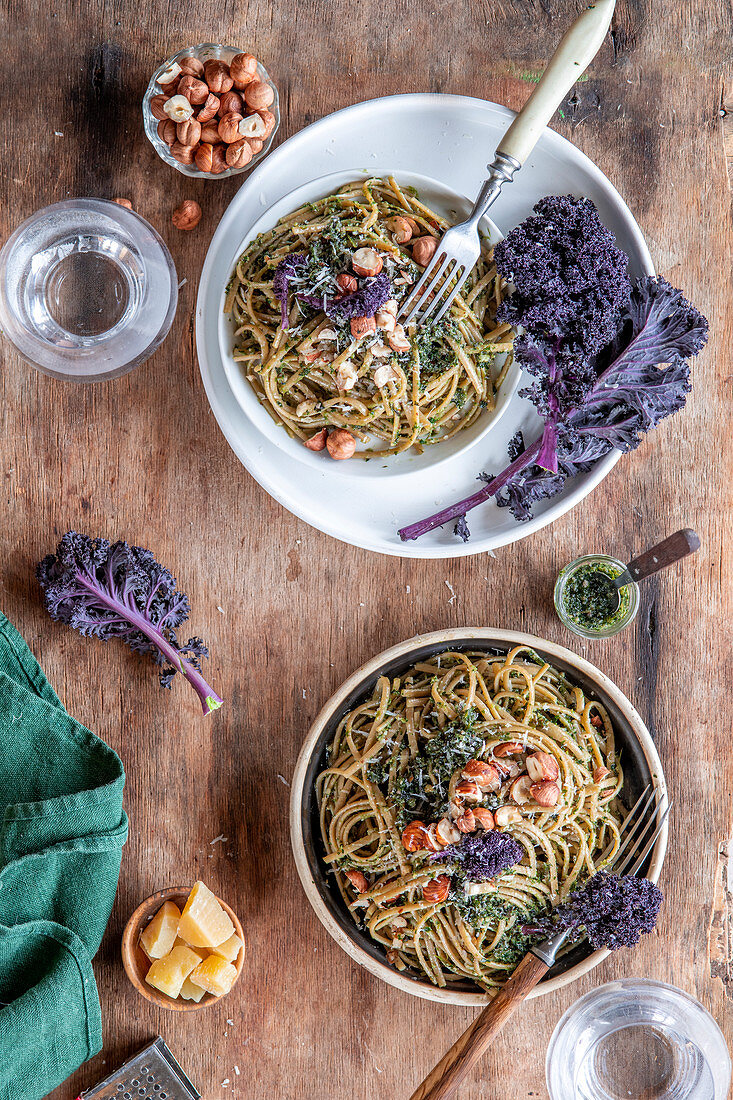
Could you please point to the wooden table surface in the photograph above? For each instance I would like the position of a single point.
(287, 611)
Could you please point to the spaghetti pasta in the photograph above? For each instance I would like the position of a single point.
(319, 355)
(437, 755)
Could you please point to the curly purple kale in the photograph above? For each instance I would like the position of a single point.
(484, 856)
(570, 278)
(120, 591)
(612, 911)
(290, 267)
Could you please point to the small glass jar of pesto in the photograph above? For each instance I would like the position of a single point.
(589, 607)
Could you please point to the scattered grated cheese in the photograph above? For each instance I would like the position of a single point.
(219, 839)
(452, 591)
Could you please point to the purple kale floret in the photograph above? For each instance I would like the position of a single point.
(120, 591)
(461, 529)
(483, 856)
(569, 276)
(611, 911)
(364, 302)
(290, 267)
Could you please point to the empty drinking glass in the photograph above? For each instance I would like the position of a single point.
(637, 1040)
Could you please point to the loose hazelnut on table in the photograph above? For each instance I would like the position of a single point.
(269, 120)
(189, 132)
(178, 108)
(341, 444)
(203, 157)
(238, 154)
(243, 69)
(219, 159)
(366, 262)
(157, 103)
(229, 127)
(231, 101)
(217, 76)
(209, 109)
(193, 89)
(257, 94)
(187, 215)
(424, 249)
(123, 202)
(191, 66)
(167, 130)
(317, 442)
(184, 154)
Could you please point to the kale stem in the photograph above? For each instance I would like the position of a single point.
(421, 527)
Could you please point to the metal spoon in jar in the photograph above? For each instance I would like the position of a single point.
(667, 552)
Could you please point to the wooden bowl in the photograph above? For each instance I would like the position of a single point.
(642, 767)
(136, 962)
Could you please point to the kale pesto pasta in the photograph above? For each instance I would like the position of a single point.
(315, 300)
(462, 798)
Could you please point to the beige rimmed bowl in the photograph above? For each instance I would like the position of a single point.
(640, 761)
(136, 962)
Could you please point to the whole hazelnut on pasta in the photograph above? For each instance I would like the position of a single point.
(341, 444)
(424, 249)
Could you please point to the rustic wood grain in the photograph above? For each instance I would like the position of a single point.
(288, 612)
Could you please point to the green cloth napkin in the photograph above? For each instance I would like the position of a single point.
(62, 828)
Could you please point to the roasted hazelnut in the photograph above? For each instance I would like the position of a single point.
(209, 108)
(229, 127)
(238, 154)
(191, 66)
(210, 132)
(169, 75)
(156, 106)
(400, 229)
(217, 76)
(317, 442)
(167, 130)
(243, 69)
(257, 94)
(252, 126)
(203, 156)
(256, 145)
(194, 89)
(230, 102)
(346, 283)
(178, 108)
(424, 249)
(341, 444)
(269, 120)
(123, 202)
(184, 154)
(366, 262)
(219, 159)
(187, 215)
(358, 881)
(189, 132)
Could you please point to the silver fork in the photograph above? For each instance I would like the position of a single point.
(460, 248)
(647, 813)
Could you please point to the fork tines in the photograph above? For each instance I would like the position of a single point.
(639, 819)
(438, 286)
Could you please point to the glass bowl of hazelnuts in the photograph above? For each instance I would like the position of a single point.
(211, 111)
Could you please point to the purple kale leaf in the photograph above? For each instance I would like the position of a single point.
(610, 910)
(461, 529)
(483, 856)
(363, 302)
(292, 266)
(121, 591)
(569, 276)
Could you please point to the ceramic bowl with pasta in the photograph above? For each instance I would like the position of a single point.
(421, 763)
(313, 340)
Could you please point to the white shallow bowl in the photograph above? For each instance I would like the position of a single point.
(452, 206)
(640, 761)
(451, 139)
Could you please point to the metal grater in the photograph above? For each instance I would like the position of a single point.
(153, 1074)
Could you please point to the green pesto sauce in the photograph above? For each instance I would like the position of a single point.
(590, 602)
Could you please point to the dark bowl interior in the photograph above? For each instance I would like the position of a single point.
(637, 776)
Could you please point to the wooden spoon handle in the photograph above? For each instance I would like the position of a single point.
(450, 1071)
(672, 549)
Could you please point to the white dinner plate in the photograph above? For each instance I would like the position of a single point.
(454, 208)
(451, 139)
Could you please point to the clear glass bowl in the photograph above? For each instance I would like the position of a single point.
(205, 51)
(637, 1037)
(618, 624)
(88, 290)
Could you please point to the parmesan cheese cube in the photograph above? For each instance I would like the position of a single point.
(230, 949)
(158, 937)
(202, 952)
(203, 922)
(191, 992)
(215, 975)
(169, 973)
